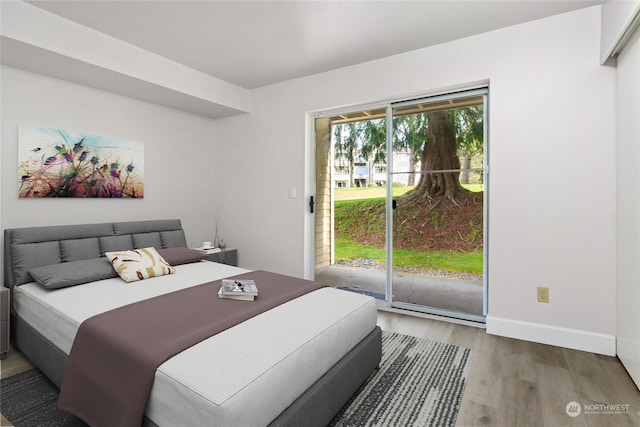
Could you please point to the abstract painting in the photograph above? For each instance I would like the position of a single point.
(58, 163)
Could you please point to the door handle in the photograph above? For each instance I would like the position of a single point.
(311, 204)
(394, 204)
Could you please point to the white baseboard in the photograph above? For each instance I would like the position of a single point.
(553, 335)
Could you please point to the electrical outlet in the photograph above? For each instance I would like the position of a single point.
(543, 294)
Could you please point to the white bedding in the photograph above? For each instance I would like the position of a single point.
(246, 375)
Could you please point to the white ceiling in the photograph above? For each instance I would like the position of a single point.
(257, 43)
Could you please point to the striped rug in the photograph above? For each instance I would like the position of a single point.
(419, 383)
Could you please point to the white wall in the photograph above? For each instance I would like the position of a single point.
(628, 212)
(179, 155)
(552, 160)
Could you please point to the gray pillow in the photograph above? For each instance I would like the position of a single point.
(178, 256)
(73, 273)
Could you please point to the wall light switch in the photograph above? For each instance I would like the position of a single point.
(293, 192)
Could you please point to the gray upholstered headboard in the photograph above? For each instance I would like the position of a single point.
(26, 248)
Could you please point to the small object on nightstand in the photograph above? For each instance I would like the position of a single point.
(216, 240)
(4, 322)
(208, 250)
(222, 244)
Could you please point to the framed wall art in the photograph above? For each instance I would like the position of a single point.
(59, 163)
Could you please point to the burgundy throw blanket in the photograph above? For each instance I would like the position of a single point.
(115, 355)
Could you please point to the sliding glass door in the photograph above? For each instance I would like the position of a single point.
(436, 205)
(401, 197)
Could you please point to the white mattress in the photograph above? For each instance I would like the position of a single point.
(246, 375)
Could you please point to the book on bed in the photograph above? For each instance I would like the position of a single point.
(238, 289)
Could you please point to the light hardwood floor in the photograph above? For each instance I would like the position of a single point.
(511, 382)
(519, 383)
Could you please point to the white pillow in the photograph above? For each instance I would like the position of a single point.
(139, 264)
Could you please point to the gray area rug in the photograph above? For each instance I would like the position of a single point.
(419, 383)
(29, 399)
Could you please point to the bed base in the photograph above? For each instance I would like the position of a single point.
(315, 407)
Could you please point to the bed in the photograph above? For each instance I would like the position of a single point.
(326, 345)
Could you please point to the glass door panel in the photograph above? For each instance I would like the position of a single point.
(436, 198)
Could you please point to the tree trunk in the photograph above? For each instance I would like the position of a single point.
(372, 170)
(464, 175)
(412, 175)
(351, 171)
(439, 154)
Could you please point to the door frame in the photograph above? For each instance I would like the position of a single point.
(310, 179)
(310, 189)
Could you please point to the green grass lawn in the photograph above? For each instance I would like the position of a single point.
(455, 262)
(353, 193)
(353, 207)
